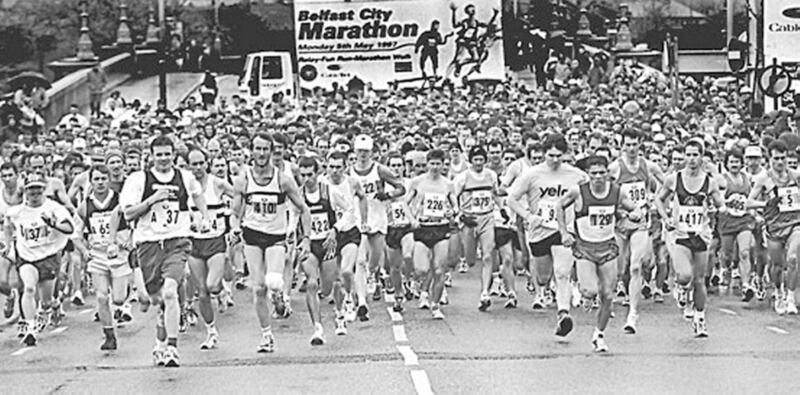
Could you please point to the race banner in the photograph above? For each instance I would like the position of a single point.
(782, 31)
(403, 43)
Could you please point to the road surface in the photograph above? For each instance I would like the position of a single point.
(501, 351)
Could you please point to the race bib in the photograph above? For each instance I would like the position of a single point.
(547, 210)
(397, 213)
(370, 189)
(636, 191)
(100, 224)
(319, 226)
(736, 205)
(482, 202)
(35, 233)
(788, 199)
(265, 206)
(691, 218)
(434, 205)
(164, 214)
(601, 218)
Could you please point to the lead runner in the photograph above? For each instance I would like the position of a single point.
(157, 201)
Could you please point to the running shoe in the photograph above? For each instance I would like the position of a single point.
(688, 311)
(699, 327)
(303, 286)
(398, 304)
(647, 291)
(109, 344)
(486, 301)
(621, 293)
(715, 279)
(779, 304)
(29, 339)
(362, 313)
(158, 355)
(77, 298)
(125, 314)
(630, 323)
(748, 293)
(599, 342)
(317, 339)
(11, 304)
(658, 296)
(530, 287)
(448, 280)
(212, 339)
(228, 298)
(564, 325)
(549, 296)
(171, 357)
(586, 303)
(267, 343)
(377, 294)
(462, 265)
(191, 316)
(511, 303)
(349, 311)
(371, 284)
(240, 281)
(22, 328)
(42, 320)
(681, 296)
(424, 303)
(56, 316)
(183, 324)
(341, 326)
(445, 299)
(791, 305)
(436, 313)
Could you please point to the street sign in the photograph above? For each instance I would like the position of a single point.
(737, 54)
(775, 81)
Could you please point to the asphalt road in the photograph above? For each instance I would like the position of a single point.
(501, 351)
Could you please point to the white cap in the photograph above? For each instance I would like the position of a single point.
(752, 151)
(363, 142)
(655, 128)
(659, 138)
(79, 142)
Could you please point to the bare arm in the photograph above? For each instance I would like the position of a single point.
(386, 175)
(755, 193)
(565, 201)
(362, 200)
(61, 194)
(663, 194)
(293, 193)
(237, 205)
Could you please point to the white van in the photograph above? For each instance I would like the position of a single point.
(266, 73)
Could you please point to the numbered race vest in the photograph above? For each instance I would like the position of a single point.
(98, 221)
(477, 198)
(398, 217)
(691, 214)
(34, 239)
(217, 211)
(736, 195)
(169, 218)
(265, 208)
(634, 184)
(434, 202)
(595, 221)
(371, 183)
(323, 217)
(783, 205)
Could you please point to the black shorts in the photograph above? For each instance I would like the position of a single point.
(432, 235)
(70, 246)
(694, 243)
(133, 259)
(47, 267)
(262, 240)
(394, 237)
(206, 248)
(351, 236)
(503, 236)
(318, 250)
(163, 259)
(542, 247)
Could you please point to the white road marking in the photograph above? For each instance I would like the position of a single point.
(778, 330)
(389, 298)
(421, 382)
(85, 311)
(396, 317)
(728, 312)
(409, 357)
(21, 351)
(59, 330)
(399, 333)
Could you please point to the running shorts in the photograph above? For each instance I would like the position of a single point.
(432, 235)
(597, 252)
(394, 236)
(542, 247)
(694, 243)
(503, 236)
(262, 240)
(99, 264)
(206, 248)
(47, 267)
(351, 236)
(163, 259)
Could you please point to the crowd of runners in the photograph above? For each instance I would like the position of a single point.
(585, 193)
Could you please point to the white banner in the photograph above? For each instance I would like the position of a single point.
(387, 42)
(781, 31)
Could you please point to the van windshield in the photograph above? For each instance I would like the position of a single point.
(271, 68)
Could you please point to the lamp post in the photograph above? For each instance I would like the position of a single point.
(85, 52)
(162, 59)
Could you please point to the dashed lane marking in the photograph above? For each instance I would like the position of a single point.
(399, 334)
(58, 330)
(778, 330)
(396, 317)
(421, 382)
(409, 357)
(728, 312)
(21, 351)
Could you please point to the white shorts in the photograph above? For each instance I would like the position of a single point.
(102, 266)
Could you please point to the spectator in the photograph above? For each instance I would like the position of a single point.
(97, 82)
